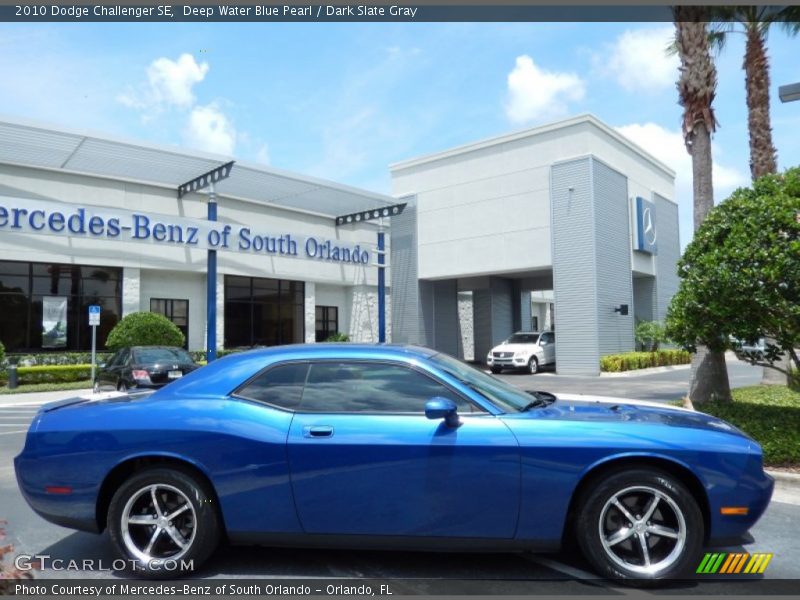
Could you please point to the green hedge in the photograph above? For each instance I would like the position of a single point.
(35, 359)
(52, 374)
(768, 413)
(629, 361)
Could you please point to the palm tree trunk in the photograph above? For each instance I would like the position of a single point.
(756, 69)
(709, 374)
(696, 89)
(762, 151)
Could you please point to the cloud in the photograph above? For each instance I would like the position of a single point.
(534, 93)
(262, 155)
(169, 83)
(209, 129)
(638, 60)
(667, 146)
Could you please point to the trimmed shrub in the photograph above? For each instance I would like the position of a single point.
(630, 361)
(35, 359)
(144, 329)
(54, 374)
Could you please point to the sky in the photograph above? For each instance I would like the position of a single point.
(342, 101)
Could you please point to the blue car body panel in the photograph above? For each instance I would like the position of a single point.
(498, 477)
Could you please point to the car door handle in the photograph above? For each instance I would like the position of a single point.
(317, 431)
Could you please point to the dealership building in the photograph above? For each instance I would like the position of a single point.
(568, 226)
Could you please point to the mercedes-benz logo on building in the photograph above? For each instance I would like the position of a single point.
(649, 227)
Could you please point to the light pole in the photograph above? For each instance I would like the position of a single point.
(789, 93)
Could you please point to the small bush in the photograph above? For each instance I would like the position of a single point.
(144, 329)
(630, 361)
(2, 353)
(338, 337)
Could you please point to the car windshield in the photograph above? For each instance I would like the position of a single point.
(503, 395)
(156, 355)
(523, 338)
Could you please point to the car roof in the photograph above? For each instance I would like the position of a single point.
(343, 349)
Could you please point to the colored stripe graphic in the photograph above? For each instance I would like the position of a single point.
(734, 563)
(728, 562)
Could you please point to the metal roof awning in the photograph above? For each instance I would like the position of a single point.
(35, 145)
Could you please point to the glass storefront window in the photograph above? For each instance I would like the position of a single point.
(24, 286)
(263, 312)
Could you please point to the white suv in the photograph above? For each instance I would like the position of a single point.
(523, 350)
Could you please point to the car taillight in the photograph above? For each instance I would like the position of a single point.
(140, 374)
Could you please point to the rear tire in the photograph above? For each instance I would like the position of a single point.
(122, 386)
(628, 538)
(164, 522)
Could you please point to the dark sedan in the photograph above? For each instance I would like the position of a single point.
(143, 367)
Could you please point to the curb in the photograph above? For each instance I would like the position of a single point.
(648, 371)
(791, 480)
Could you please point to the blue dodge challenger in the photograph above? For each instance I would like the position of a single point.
(347, 445)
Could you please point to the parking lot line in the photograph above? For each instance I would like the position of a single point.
(10, 432)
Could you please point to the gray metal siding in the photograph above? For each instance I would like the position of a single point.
(504, 301)
(612, 259)
(406, 317)
(574, 267)
(644, 298)
(669, 252)
(446, 328)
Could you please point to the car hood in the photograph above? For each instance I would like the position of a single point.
(514, 348)
(578, 407)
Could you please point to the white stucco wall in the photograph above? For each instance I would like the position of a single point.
(484, 208)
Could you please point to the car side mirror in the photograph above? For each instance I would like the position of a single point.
(442, 408)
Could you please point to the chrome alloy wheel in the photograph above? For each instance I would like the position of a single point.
(158, 523)
(642, 530)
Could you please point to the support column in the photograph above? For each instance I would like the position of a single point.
(131, 290)
(211, 285)
(310, 311)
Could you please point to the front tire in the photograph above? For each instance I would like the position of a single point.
(163, 522)
(640, 525)
(533, 365)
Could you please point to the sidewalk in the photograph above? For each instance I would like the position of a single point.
(38, 398)
(787, 487)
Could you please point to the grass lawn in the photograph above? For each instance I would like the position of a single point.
(46, 387)
(770, 414)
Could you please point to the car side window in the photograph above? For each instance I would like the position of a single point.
(122, 358)
(547, 337)
(280, 386)
(336, 387)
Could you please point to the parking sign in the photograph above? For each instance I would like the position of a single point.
(94, 315)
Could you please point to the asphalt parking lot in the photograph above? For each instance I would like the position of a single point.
(406, 572)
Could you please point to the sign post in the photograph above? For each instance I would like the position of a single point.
(94, 321)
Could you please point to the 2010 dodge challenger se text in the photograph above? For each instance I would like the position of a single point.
(384, 446)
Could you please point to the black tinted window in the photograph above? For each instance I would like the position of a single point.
(523, 338)
(372, 388)
(281, 386)
(156, 355)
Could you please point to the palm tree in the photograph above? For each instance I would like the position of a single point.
(755, 22)
(697, 85)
